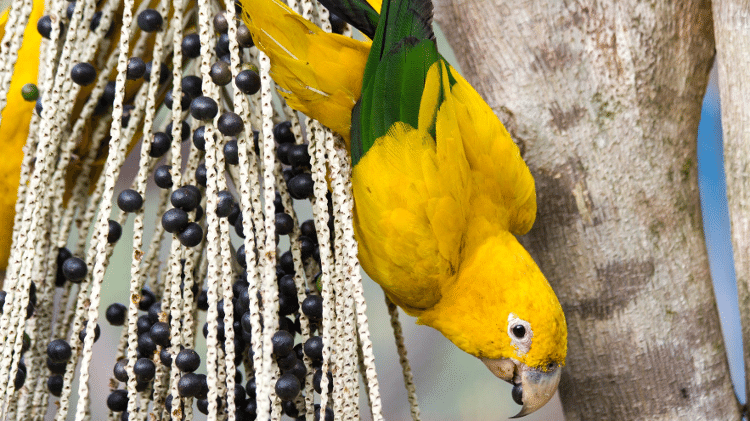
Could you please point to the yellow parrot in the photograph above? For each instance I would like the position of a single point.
(440, 189)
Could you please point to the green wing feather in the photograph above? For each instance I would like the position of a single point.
(402, 52)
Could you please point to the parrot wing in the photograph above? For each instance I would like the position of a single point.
(435, 170)
(318, 73)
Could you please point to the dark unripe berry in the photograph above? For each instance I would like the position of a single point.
(144, 369)
(200, 175)
(116, 313)
(222, 47)
(299, 370)
(225, 204)
(282, 132)
(191, 46)
(191, 236)
(159, 145)
(301, 186)
(97, 332)
(118, 400)
(284, 224)
(189, 385)
(83, 74)
(314, 348)
(59, 351)
(318, 377)
(288, 304)
(312, 306)
(192, 85)
(287, 387)
(150, 20)
(20, 376)
(202, 300)
(154, 312)
(282, 153)
(307, 229)
(286, 261)
(160, 333)
(199, 139)
(174, 220)
(147, 299)
(220, 73)
(143, 324)
(187, 360)
(184, 130)
(248, 82)
(283, 343)
(244, 38)
(44, 26)
(146, 345)
(164, 73)
(220, 23)
(298, 156)
(184, 100)
(74, 269)
(55, 385)
(287, 286)
(136, 68)
(129, 200)
(120, 371)
(56, 367)
(203, 108)
(231, 153)
(185, 198)
(307, 247)
(230, 124)
(162, 177)
(165, 357)
(115, 232)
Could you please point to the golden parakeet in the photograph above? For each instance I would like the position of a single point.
(440, 188)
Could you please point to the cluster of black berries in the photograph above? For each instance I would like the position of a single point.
(297, 175)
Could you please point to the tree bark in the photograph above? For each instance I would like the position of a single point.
(732, 31)
(604, 99)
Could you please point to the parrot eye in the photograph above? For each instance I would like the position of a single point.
(520, 334)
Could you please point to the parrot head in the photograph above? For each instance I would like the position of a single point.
(501, 309)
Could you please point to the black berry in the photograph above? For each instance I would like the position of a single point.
(203, 108)
(136, 68)
(150, 20)
(83, 74)
(174, 220)
(230, 124)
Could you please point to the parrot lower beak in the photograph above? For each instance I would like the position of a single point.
(532, 387)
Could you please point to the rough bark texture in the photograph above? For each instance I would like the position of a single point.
(732, 30)
(604, 99)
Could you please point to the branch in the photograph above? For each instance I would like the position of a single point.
(604, 99)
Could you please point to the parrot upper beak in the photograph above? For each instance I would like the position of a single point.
(532, 387)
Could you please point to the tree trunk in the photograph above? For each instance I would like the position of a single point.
(604, 99)
(732, 29)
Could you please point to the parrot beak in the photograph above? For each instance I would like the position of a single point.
(532, 387)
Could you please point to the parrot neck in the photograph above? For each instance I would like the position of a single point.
(496, 277)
